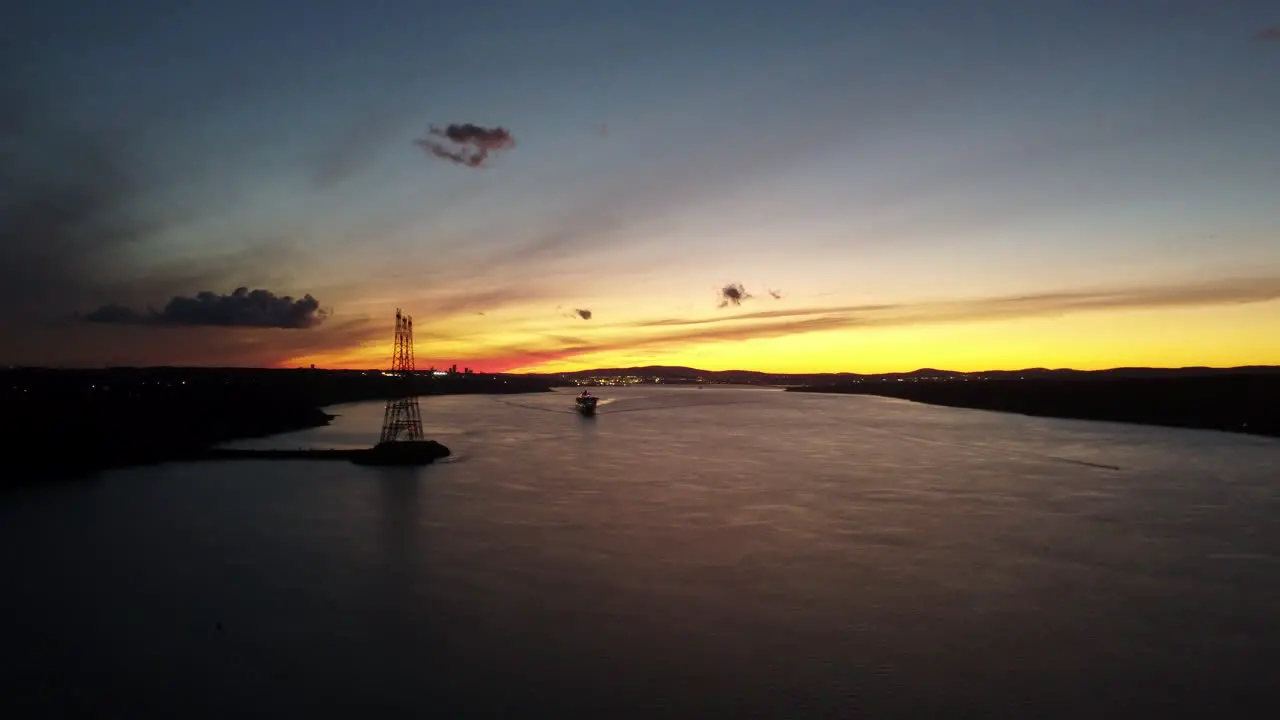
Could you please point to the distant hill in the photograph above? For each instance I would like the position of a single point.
(668, 372)
(1241, 400)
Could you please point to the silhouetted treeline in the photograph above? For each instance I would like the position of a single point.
(70, 422)
(1244, 403)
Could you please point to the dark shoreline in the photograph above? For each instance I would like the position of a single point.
(420, 452)
(72, 424)
(1244, 404)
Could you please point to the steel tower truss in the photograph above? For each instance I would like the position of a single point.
(402, 420)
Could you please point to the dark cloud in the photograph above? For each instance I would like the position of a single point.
(242, 308)
(575, 313)
(775, 294)
(470, 158)
(1271, 34)
(496, 138)
(468, 144)
(733, 294)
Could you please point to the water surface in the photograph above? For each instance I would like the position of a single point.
(687, 552)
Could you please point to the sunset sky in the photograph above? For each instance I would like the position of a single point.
(956, 184)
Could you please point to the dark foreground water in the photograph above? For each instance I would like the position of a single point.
(689, 553)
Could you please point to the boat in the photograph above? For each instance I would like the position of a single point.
(586, 403)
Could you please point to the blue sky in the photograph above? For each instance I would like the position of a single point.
(850, 151)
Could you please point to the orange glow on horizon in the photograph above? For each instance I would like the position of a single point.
(1224, 336)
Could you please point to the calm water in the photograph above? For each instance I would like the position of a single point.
(688, 552)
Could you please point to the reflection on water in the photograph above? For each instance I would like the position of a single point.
(725, 550)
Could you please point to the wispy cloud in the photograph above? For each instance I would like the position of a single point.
(681, 172)
(356, 147)
(1215, 292)
(1271, 34)
(780, 323)
(765, 315)
(530, 357)
(332, 344)
(1220, 292)
(437, 306)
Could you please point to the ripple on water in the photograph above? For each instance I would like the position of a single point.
(720, 551)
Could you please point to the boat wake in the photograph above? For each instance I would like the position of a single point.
(537, 407)
(682, 406)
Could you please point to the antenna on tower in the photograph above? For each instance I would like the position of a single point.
(402, 419)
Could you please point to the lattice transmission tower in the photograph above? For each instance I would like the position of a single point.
(402, 420)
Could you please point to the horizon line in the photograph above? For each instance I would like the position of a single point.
(644, 367)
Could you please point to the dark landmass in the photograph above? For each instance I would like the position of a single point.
(67, 423)
(1241, 400)
(675, 375)
(70, 423)
(417, 452)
